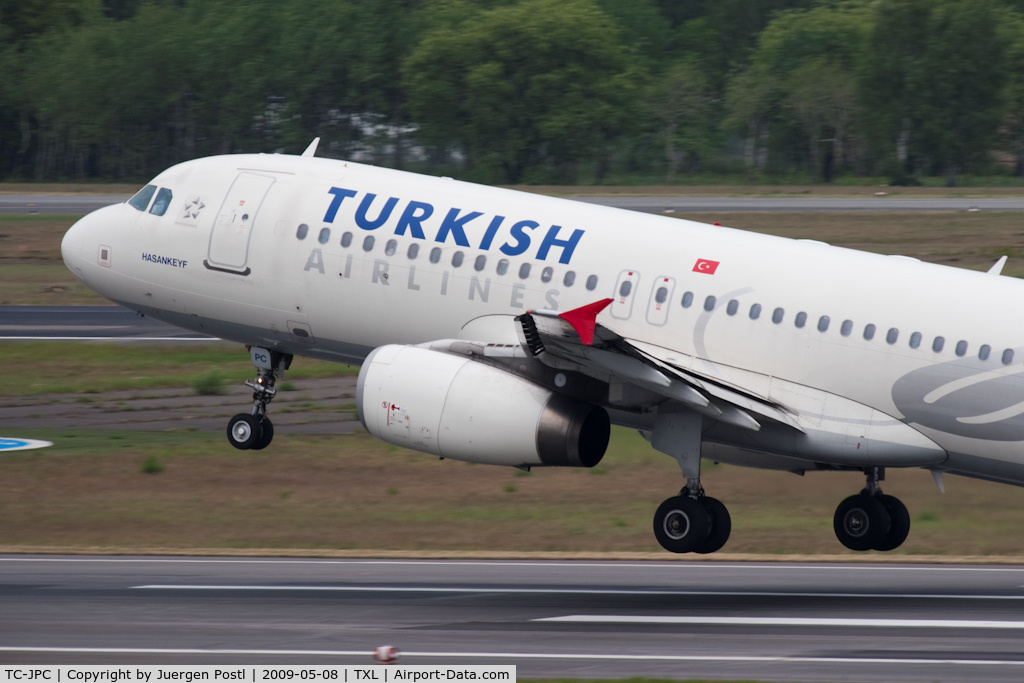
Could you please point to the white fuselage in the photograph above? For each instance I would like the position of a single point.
(431, 258)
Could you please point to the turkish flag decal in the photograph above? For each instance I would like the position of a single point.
(703, 265)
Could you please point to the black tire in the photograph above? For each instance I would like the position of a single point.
(681, 524)
(266, 435)
(721, 527)
(899, 523)
(243, 431)
(861, 522)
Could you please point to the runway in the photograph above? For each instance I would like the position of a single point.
(81, 204)
(669, 204)
(87, 323)
(769, 622)
(66, 204)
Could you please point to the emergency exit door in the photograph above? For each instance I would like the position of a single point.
(233, 228)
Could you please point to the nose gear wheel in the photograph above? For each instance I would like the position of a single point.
(254, 430)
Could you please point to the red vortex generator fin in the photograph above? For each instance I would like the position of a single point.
(584, 319)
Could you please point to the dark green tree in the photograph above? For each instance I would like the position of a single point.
(932, 84)
(682, 103)
(795, 101)
(543, 83)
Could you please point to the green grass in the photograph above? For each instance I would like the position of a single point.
(62, 367)
(190, 489)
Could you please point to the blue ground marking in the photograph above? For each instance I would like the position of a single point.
(7, 444)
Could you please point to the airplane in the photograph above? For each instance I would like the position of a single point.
(501, 327)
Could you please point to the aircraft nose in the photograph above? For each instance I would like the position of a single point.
(71, 246)
(83, 242)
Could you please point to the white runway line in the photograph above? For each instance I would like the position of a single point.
(406, 655)
(567, 591)
(785, 621)
(653, 564)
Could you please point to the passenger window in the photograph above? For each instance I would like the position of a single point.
(414, 251)
(732, 307)
(391, 247)
(524, 271)
(869, 331)
(687, 299)
(502, 266)
(457, 259)
(302, 231)
(547, 274)
(625, 289)
(592, 283)
(141, 199)
(777, 315)
(755, 311)
(661, 295)
(892, 335)
(823, 323)
(479, 263)
(1007, 356)
(938, 344)
(368, 243)
(324, 236)
(570, 278)
(709, 303)
(163, 200)
(915, 340)
(961, 348)
(984, 351)
(800, 320)
(846, 328)
(346, 239)
(435, 255)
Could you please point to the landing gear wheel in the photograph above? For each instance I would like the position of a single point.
(899, 527)
(266, 434)
(861, 522)
(243, 431)
(681, 524)
(721, 527)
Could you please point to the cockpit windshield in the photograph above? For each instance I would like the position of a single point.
(141, 199)
(163, 198)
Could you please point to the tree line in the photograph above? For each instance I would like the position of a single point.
(529, 91)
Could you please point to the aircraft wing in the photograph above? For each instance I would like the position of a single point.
(573, 340)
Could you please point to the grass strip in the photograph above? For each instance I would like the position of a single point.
(97, 367)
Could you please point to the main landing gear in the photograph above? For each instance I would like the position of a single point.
(691, 521)
(871, 520)
(255, 430)
(695, 523)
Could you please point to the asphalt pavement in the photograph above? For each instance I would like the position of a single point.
(684, 620)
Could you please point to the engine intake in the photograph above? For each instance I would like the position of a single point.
(459, 408)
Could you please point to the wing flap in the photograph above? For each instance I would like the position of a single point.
(575, 339)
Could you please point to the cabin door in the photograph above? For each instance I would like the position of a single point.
(232, 231)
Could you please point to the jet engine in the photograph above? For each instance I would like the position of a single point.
(459, 408)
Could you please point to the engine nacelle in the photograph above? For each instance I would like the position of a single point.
(458, 408)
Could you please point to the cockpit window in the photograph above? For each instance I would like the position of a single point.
(162, 201)
(141, 199)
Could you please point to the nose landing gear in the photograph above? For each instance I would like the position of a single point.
(254, 430)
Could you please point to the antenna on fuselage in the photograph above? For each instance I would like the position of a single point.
(311, 150)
